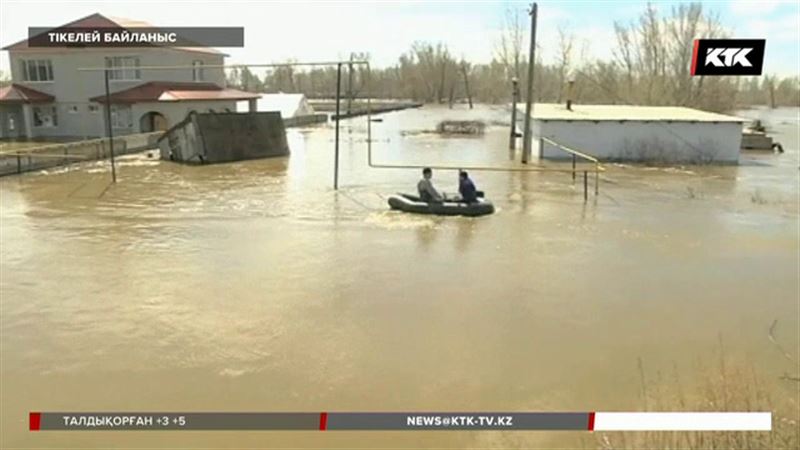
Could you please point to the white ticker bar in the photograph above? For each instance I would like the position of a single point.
(683, 421)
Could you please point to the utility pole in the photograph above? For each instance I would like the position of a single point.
(526, 137)
(336, 148)
(350, 85)
(512, 140)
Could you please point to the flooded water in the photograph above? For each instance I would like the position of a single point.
(254, 286)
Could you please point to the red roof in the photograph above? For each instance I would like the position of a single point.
(16, 93)
(168, 91)
(98, 20)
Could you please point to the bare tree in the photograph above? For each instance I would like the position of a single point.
(509, 50)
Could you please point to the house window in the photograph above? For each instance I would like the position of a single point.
(72, 109)
(121, 116)
(37, 70)
(45, 116)
(94, 108)
(125, 68)
(197, 70)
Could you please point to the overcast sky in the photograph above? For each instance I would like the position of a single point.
(275, 31)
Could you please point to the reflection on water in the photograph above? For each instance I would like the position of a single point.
(254, 286)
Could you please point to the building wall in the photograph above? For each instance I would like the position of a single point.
(174, 112)
(655, 142)
(73, 88)
(12, 122)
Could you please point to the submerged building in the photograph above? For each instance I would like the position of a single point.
(653, 134)
(204, 138)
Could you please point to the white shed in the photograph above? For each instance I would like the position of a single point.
(660, 134)
(289, 105)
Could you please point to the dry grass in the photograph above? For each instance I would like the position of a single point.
(727, 386)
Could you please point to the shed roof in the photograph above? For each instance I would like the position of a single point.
(559, 112)
(287, 104)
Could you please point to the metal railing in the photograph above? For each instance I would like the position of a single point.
(575, 155)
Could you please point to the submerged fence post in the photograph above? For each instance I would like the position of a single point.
(573, 166)
(585, 186)
(336, 151)
(596, 179)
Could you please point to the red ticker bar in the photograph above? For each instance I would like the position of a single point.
(416, 421)
(34, 421)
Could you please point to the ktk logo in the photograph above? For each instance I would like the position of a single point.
(728, 56)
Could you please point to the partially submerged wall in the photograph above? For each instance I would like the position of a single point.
(648, 142)
(224, 137)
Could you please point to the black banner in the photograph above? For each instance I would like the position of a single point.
(728, 56)
(136, 37)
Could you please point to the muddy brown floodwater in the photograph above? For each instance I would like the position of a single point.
(254, 286)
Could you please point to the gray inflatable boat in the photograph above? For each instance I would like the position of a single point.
(413, 204)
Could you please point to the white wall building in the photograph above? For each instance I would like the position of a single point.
(289, 105)
(50, 97)
(660, 134)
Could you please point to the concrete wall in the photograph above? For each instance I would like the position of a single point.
(223, 137)
(652, 142)
(74, 88)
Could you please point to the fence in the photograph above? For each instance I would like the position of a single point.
(27, 159)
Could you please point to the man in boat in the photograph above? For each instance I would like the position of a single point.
(466, 188)
(428, 193)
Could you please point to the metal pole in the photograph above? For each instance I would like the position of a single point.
(526, 144)
(109, 130)
(512, 140)
(336, 153)
(19, 163)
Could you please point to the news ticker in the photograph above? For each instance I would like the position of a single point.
(400, 421)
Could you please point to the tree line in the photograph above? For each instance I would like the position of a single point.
(650, 66)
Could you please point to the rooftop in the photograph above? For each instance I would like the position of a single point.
(558, 111)
(15, 94)
(169, 91)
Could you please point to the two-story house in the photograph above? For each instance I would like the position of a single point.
(50, 98)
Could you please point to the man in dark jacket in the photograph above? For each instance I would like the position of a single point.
(467, 188)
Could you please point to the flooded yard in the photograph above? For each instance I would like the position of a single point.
(254, 286)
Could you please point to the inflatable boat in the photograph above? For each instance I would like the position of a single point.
(413, 204)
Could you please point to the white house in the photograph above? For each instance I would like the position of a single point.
(637, 133)
(50, 97)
